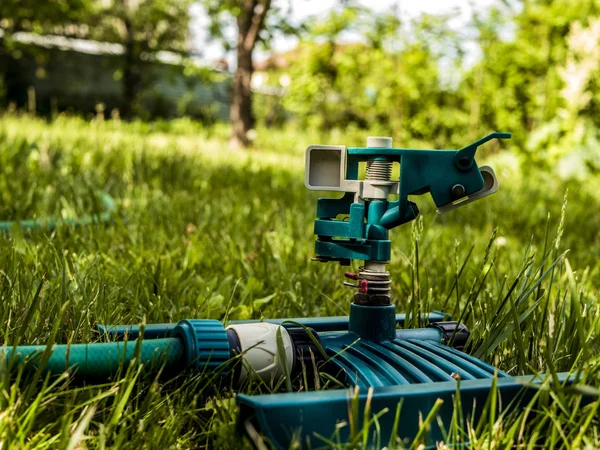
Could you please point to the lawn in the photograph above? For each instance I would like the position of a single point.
(203, 231)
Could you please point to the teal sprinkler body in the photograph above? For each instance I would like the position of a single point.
(367, 350)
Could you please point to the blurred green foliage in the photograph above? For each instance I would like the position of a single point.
(537, 76)
(372, 85)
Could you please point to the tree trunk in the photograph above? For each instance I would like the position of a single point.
(242, 117)
(250, 22)
(4, 59)
(131, 77)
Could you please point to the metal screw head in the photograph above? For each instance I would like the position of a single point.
(458, 190)
(464, 161)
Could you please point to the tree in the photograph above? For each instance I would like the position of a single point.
(256, 21)
(517, 84)
(51, 16)
(391, 82)
(573, 135)
(143, 27)
(40, 17)
(319, 93)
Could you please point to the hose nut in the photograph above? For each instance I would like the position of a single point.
(206, 343)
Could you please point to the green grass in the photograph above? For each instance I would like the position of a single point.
(208, 232)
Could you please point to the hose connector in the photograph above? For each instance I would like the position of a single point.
(455, 334)
(206, 343)
(262, 356)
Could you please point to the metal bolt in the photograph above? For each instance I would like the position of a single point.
(464, 161)
(458, 190)
(379, 142)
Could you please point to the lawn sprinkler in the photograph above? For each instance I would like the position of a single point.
(379, 363)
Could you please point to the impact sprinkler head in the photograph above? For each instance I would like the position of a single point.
(452, 177)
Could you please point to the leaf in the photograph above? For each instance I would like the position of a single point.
(282, 356)
(263, 301)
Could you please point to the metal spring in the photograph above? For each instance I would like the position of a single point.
(378, 282)
(379, 170)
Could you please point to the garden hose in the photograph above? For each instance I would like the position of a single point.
(195, 344)
(100, 360)
(51, 223)
(201, 345)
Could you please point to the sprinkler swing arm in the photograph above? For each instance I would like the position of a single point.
(381, 364)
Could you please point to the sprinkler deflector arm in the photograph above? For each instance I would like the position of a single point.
(109, 208)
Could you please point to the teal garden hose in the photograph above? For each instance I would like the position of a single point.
(109, 207)
(100, 359)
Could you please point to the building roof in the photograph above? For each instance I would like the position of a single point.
(103, 48)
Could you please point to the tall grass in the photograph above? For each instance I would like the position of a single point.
(208, 232)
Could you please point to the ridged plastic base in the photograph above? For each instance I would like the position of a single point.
(316, 418)
(414, 357)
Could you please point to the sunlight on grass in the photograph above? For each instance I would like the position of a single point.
(204, 232)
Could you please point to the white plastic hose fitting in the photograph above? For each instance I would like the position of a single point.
(260, 355)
